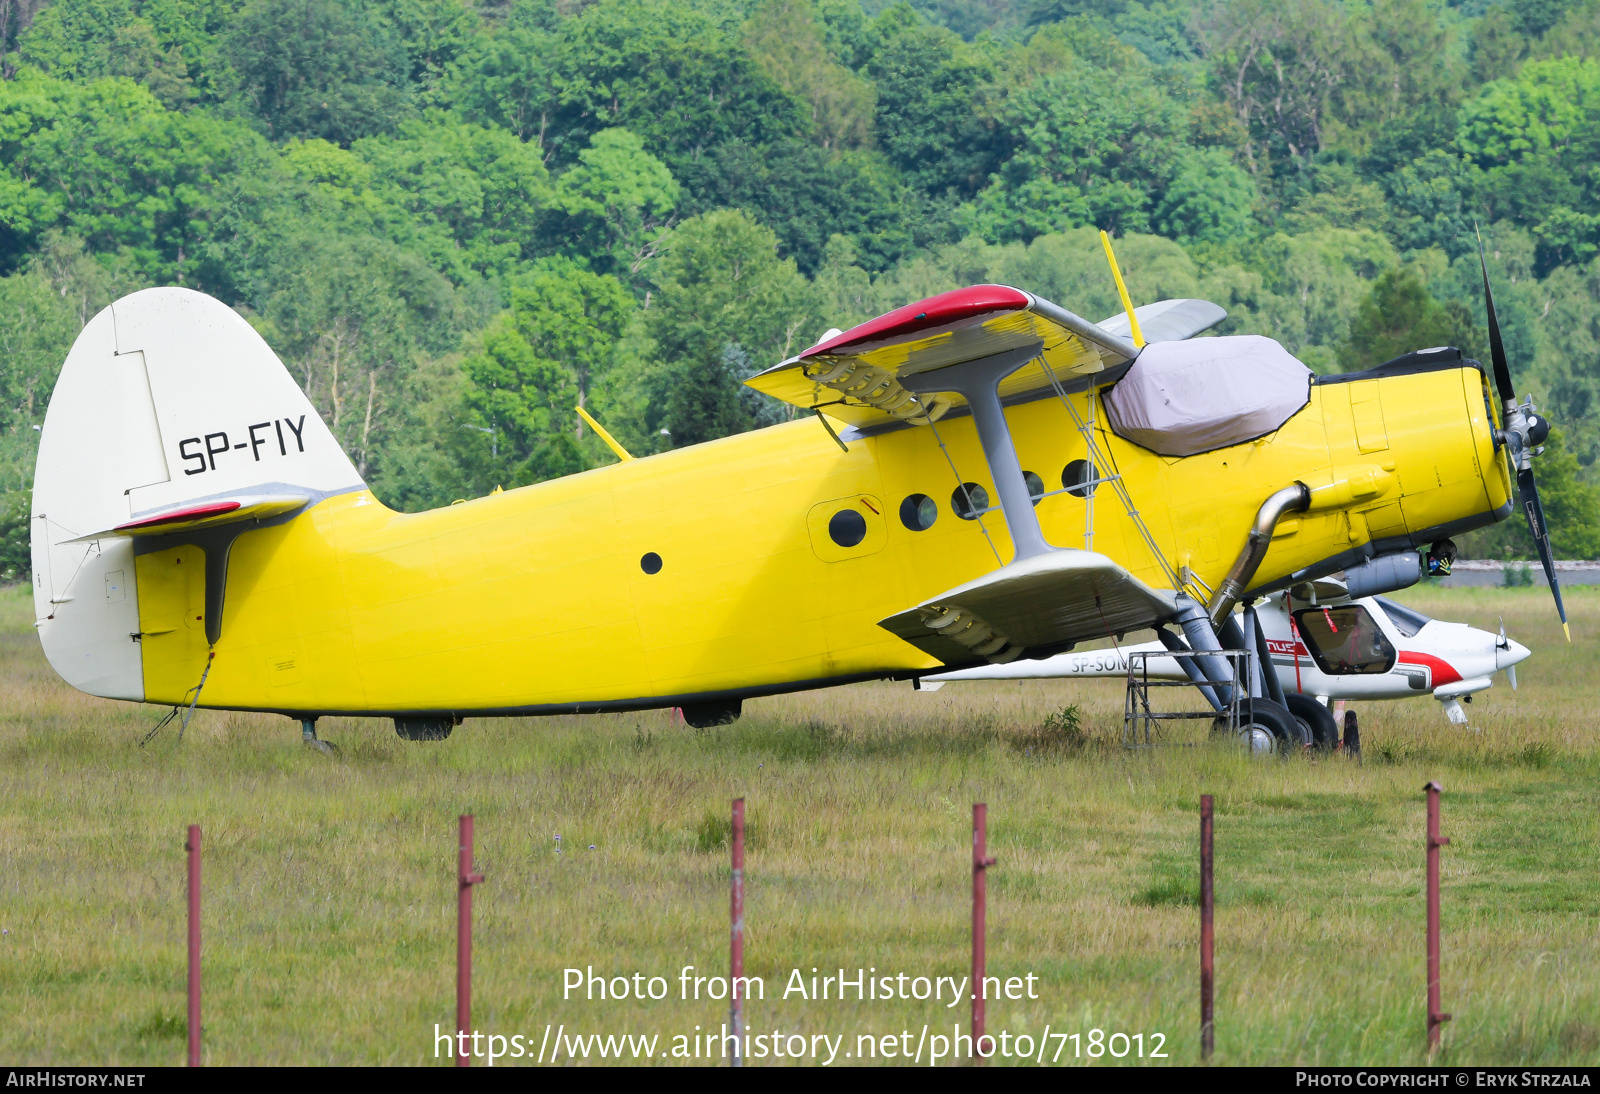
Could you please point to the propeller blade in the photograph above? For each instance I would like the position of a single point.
(1511, 675)
(1503, 642)
(1541, 538)
(1497, 348)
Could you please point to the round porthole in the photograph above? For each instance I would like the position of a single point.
(969, 500)
(1075, 475)
(1035, 486)
(847, 528)
(918, 512)
(650, 563)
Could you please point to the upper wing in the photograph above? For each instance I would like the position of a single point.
(1168, 320)
(1042, 602)
(855, 376)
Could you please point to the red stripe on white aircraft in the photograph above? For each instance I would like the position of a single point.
(1443, 671)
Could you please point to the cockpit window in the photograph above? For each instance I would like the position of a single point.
(1345, 641)
(1408, 621)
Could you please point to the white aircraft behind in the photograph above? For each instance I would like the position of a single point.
(1328, 647)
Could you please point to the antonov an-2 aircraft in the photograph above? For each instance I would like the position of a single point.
(200, 539)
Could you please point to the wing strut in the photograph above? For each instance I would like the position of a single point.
(979, 383)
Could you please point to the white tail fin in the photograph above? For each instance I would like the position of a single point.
(168, 399)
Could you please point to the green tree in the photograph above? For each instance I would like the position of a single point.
(1567, 305)
(666, 71)
(1400, 315)
(720, 283)
(930, 116)
(485, 191)
(787, 40)
(435, 35)
(615, 204)
(567, 313)
(355, 319)
(1209, 199)
(1093, 147)
(1536, 137)
(522, 377)
(807, 194)
(1399, 92)
(1278, 67)
(517, 404)
(37, 326)
(319, 68)
(73, 39)
(165, 190)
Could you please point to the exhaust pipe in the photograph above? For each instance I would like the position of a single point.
(1291, 499)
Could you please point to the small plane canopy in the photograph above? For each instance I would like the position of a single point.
(1184, 398)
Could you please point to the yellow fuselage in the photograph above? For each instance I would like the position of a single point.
(535, 599)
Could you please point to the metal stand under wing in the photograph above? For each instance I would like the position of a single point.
(1046, 602)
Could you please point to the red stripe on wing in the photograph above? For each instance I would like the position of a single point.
(194, 512)
(937, 311)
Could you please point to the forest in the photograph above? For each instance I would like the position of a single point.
(455, 221)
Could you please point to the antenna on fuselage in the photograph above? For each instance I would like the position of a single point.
(1122, 291)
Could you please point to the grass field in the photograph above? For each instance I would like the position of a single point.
(329, 911)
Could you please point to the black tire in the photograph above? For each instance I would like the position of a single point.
(709, 715)
(1286, 729)
(423, 729)
(1318, 718)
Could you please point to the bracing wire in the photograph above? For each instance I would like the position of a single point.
(960, 482)
(179, 709)
(1117, 484)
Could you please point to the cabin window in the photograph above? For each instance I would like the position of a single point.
(1408, 621)
(918, 512)
(1035, 486)
(650, 563)
(1077, 478)
(969, 501)
(1345, 641)
(847, 528)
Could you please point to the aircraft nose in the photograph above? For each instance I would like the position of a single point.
(1514, 654)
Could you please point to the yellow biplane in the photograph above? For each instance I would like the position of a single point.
(992, 477)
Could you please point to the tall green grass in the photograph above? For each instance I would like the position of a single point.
(330, 895)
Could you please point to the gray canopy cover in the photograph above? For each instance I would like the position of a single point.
(1184, 398)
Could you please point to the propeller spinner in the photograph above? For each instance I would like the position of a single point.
(1524, 434)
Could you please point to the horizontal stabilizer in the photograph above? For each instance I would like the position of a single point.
(1168, 320)
(1043, 602)
(205, 514)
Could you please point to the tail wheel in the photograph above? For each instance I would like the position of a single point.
(1317, 718)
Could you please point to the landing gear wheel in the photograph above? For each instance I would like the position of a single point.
(1270, 727)
(1318, 718)
(309, 738)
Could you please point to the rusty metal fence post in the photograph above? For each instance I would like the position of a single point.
(1207, 971)
(193, 847)
(736, 931)
(1435, 841)
(980, 900)
(465, 880)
